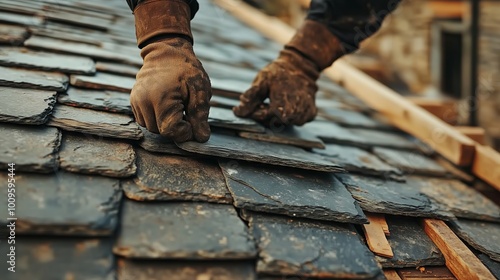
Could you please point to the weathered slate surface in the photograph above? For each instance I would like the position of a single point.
(354, 159)
(292, 192)
(223, 102)
(12, 35)
(225, 118)
(26, 106)
(24, 58)
(40, 258)
(177, 270)
(165, 177)
(384, 139)
(117, 68)
(19, 19)
(177, 230)
(483, 236)
(492, 265)
(110, 101)
(290, 135)
(390, 197)
(411, 162)
(94, 155)
(31, 148)
(307, 248)
(226, 146)
(20, 78)
(156, 143)
(411, 245)
(463, 201)
(103, 81)
(95, 122)
(333, 133)
(349, 118)
(65, 204)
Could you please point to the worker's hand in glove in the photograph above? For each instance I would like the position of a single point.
(290, 84)
(172, 93)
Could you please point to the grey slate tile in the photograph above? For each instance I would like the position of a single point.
(20, 78)
(156, 143)
(95, 122)
(177, 230)
(20, 19)
(25, 58)
(103, 81)
(26, 106)
(227, 87)
(12, 34)
(492, 265)
(110, 101)
(117, 68)
(223, 102)
(65, 204)
(225, 118)
(390, 197)
(411, 245)
(356, 160)
(307, 248)
(483, 236)
(349, 118)
(226, 146)
(43, 258)
(384, 139)
(165, 177)
(94, 155)
(411, 162)
(31, 148)
(289, 135)
(463, 201)
(333, 133)
(158, 270)
(291, 192)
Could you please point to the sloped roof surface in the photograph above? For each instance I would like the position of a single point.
(98, 197)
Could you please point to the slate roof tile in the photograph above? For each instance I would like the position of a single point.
(20, 19)
(14, 77)
(295, 136)
(483, 236)
(225, 118)
(411, 162)
(117, 68)
(12, 35)
(156, 143)
(26, 106)
(103, 81)
(110, 101)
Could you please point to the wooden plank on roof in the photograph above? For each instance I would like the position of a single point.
(473, 132)
(487, 165)
(445, 109)
(440, 136)
(459, 259)
(375, 236)
(391, 274)
(447, 8)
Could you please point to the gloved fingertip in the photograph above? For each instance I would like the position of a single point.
(201, 132)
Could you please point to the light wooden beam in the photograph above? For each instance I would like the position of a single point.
(444, 109)
(447, 8)
(459, 259)
(391, 274)
(487, 165)
(375, 237)
(475, 133)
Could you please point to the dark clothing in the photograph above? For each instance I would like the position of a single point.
(351, 21)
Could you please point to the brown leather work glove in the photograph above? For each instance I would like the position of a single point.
(172, 93)
(290, 81)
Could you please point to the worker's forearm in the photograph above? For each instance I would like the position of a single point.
(193, 4)
(351, 21)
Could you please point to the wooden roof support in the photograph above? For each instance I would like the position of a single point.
(375, 236)
(440, 136)
(444, 109)
(487, 165)
(391, 274)
(459, 259)
(473, 132)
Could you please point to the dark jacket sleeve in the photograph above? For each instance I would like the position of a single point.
(351, 21)
(193, 4)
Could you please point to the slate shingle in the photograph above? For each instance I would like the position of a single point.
(225, 118)
(20, 78)
(483, 236)
(110, 101)
(12, 34)
(26, 106)
(117, 68)
(294, 136)
(411, 162)
(103, 81)
(156, 143)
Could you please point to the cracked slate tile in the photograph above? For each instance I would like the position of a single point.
(25, 58)
(41, 258)
(411, 245)
(492, 265)
(292, 192)
(411, 162)
(13, 35)
(290, 135)
(19, 19)
(357, 160)
(31, 148)
(94, 155)
(104, 81)
(463, 201)
(176, 270)
(482, 236)
(176, 230)
(65, 204)
(26, 106)
(95, 122)
(308, 248)
(117, 68)
(232, 147)
(225, 118)
(110, 101)
(390, 197)
(21, 78)
(165, 177)
(156, 143)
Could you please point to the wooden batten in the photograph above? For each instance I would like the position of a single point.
(444, 109)
(475, 133)
(487, 165)
(376, 237)
(391, 274)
